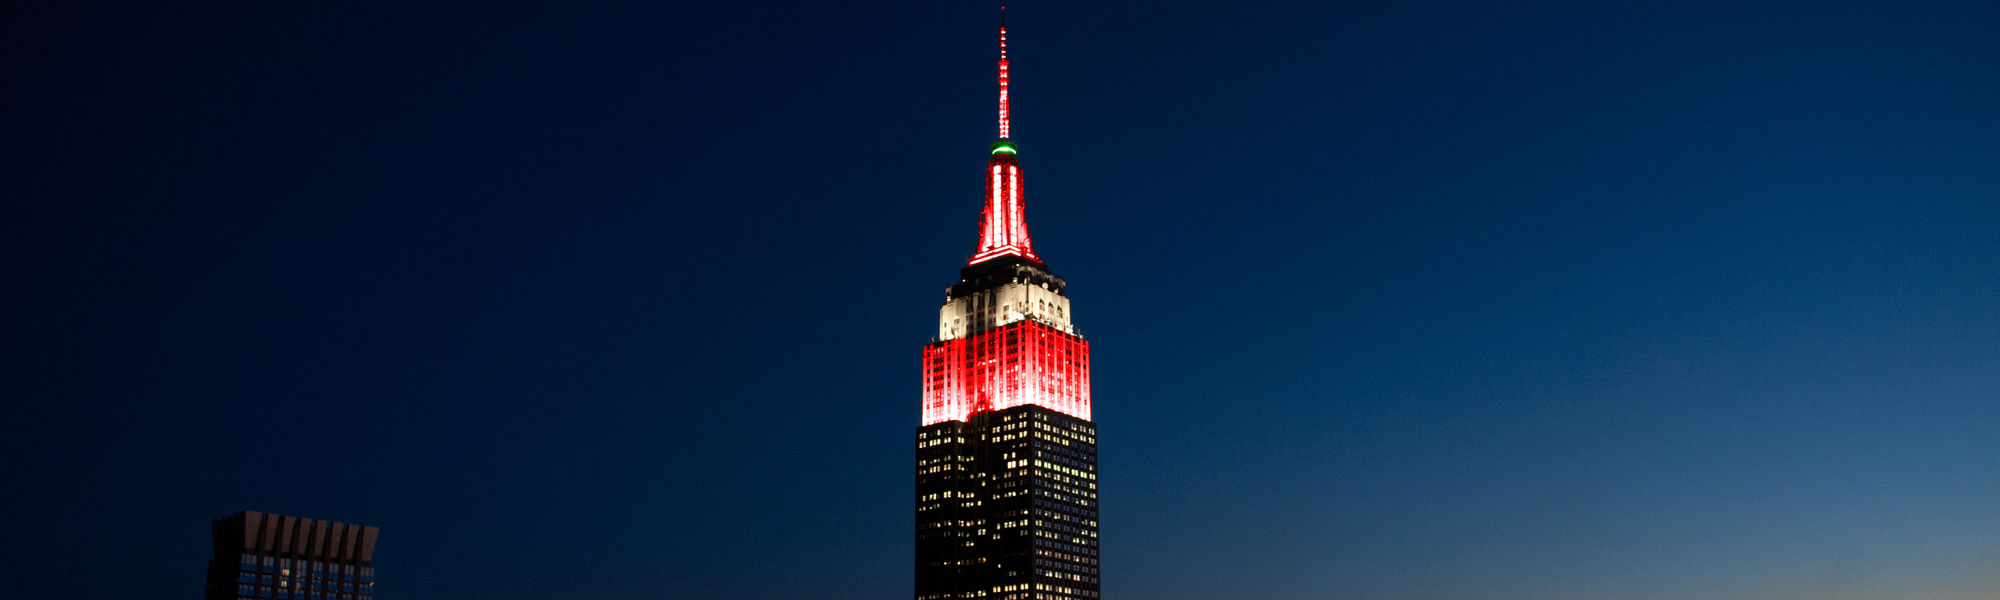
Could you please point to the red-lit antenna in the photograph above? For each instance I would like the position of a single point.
(1003, 228)
(1003, 72)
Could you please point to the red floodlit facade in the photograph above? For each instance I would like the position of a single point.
(1006, 477)
(1026, 362)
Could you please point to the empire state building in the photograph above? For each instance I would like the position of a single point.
(1007, 453)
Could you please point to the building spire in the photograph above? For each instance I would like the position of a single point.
(1003, 227)
(1003, 72)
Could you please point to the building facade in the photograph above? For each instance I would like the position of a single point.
(1006, 492)
(280, 557)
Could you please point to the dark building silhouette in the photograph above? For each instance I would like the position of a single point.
(280, 557)
(1007, 453)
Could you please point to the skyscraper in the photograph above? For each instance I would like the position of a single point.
(1007, 453)
(263, 556)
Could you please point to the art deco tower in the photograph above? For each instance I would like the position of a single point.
(261, 556)
(1007, 454)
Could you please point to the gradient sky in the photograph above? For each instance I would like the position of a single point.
(1410, 300)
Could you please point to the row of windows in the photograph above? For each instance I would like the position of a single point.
(1062, 576)
(303, 584)
(247, 592)
(1065, 469)
(285, 566)
(1061, 589)
(1070, 455)
(944, 495)
(935, 506)
(1070, 537)
(1059, 526)
(1086, 517)
(942, 459)
(1065, 556)
(1059, 490)
(315, 574)
(1071, 430)
(940, 436)
(1065, 517)
(1079, 545)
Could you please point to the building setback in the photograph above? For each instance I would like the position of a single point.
(1006, 494)
(282, 557)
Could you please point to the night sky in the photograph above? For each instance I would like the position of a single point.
(1406, 300)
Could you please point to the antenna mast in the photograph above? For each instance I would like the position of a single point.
(1003, 72)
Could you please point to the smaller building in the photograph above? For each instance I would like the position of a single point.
(262, 556)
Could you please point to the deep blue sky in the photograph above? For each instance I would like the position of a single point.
(1413, 300)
